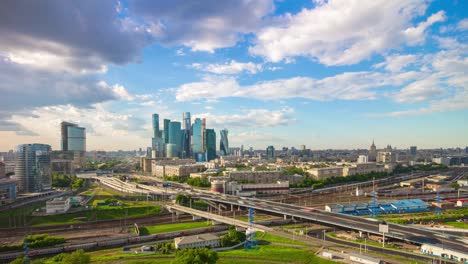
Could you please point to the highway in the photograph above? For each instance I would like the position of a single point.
(410, 234)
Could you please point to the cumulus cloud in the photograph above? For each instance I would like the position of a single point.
(345, 86)
(252, 118)
(420, 90)
(232, 67)
(74, 36)
(343, 32)
(201, 25)
(105, 129)
(463, 24)
(396, 63)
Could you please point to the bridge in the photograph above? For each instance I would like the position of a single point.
(371, 226)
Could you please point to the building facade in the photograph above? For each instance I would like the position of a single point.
(270, 152)
(175, 138)
(197, 241)
(186, 135)
(372, 152)
(58, 205)
(7, 190)
(210, 136)
(224, 142)
(33, 167)
(2, 169)
(73, 137)
(328, 172)
(197, 138)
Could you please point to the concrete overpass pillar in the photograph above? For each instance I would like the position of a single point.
(232, 207)
(285, 217)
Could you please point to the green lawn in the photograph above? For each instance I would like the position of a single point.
(277, 239)
(172, 227)
(457, 224)
(18, 214)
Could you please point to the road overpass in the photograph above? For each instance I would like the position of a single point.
(406, 233)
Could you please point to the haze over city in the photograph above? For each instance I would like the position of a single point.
(392, 71)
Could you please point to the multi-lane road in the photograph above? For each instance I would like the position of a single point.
(410, 234)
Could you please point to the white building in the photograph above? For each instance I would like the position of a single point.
(362, 159)
(358, 258)
(435, 250)
(197, 241)
(58, 205)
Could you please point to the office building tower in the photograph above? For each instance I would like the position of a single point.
(33, 167)
(186, 130)
(251, 150)
(197, 138)
(175, 138)
(149, 152)
(210, 136)
(270, 152)
(73, 137)
(466, 150)
(372, 152)
(203, 134)
(156, 126)
(166, 130)
(413, 150)
(224, 143)
(242, 150)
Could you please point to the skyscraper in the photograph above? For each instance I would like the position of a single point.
(73, 137)
(186, 130)
(157, 143)
(413, 150)
(197, 138)
(210, 136)
(33, 169)
(224, 143)
(204, 134)
(270, 152)
(166, 130)
(175, 137)
(372, 152)
(156, 126)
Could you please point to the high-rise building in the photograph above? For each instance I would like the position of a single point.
(175, 138)
(204, 134)
(187, 132)
(270, 152)
(166, 130)
(73, 137)
(210, 136)
(413, 150)
(224, 143)
(156, 126)
(372, 152)
(466, 150)
(33, 167)
(197, 138)
(2, 170)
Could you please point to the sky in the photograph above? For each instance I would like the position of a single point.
(327, 74)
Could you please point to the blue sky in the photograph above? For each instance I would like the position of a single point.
(327, 74)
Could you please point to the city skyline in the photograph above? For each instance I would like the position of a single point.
(390, 71)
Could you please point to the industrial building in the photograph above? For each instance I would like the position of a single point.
(327, 172)
(176, 170)
(249, 189)
(443, 252)
(197, 241)
(58, 205)
(392, 207)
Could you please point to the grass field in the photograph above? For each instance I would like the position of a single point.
(457, 224)
(425, 216)
(172, 227)
(17, 216)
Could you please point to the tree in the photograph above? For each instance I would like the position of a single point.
(196, 256)
(455, 185)
(77, 257)
(233, 237)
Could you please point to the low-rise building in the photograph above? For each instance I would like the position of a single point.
(327, 172)
(462, 203)
(58, 205)
(444, 252)
(197, 241)
(363, 168)
(387, 157)
(176, 170)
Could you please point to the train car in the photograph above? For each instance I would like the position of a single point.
(106, 243)
(134, 239)
(9, 256)
(45, 251)
(79, 246)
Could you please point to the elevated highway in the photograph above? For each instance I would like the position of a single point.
(401, 232)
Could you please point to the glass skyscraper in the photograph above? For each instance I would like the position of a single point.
(270, 152)
(210, 136)
(156, 126)
(33, 169)
(157, 143)
(175, 137)
(166, 131)
(186, 133)
(224, 143)
(73, 137)
(197, 138)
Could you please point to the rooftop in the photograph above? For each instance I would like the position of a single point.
(195, 239)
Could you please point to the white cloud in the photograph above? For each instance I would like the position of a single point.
(343, 32)
(396, 63)
(420, 90)
(463, 24)
(232, 67)
(251, 118)
(105, 129)
(345, 86)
